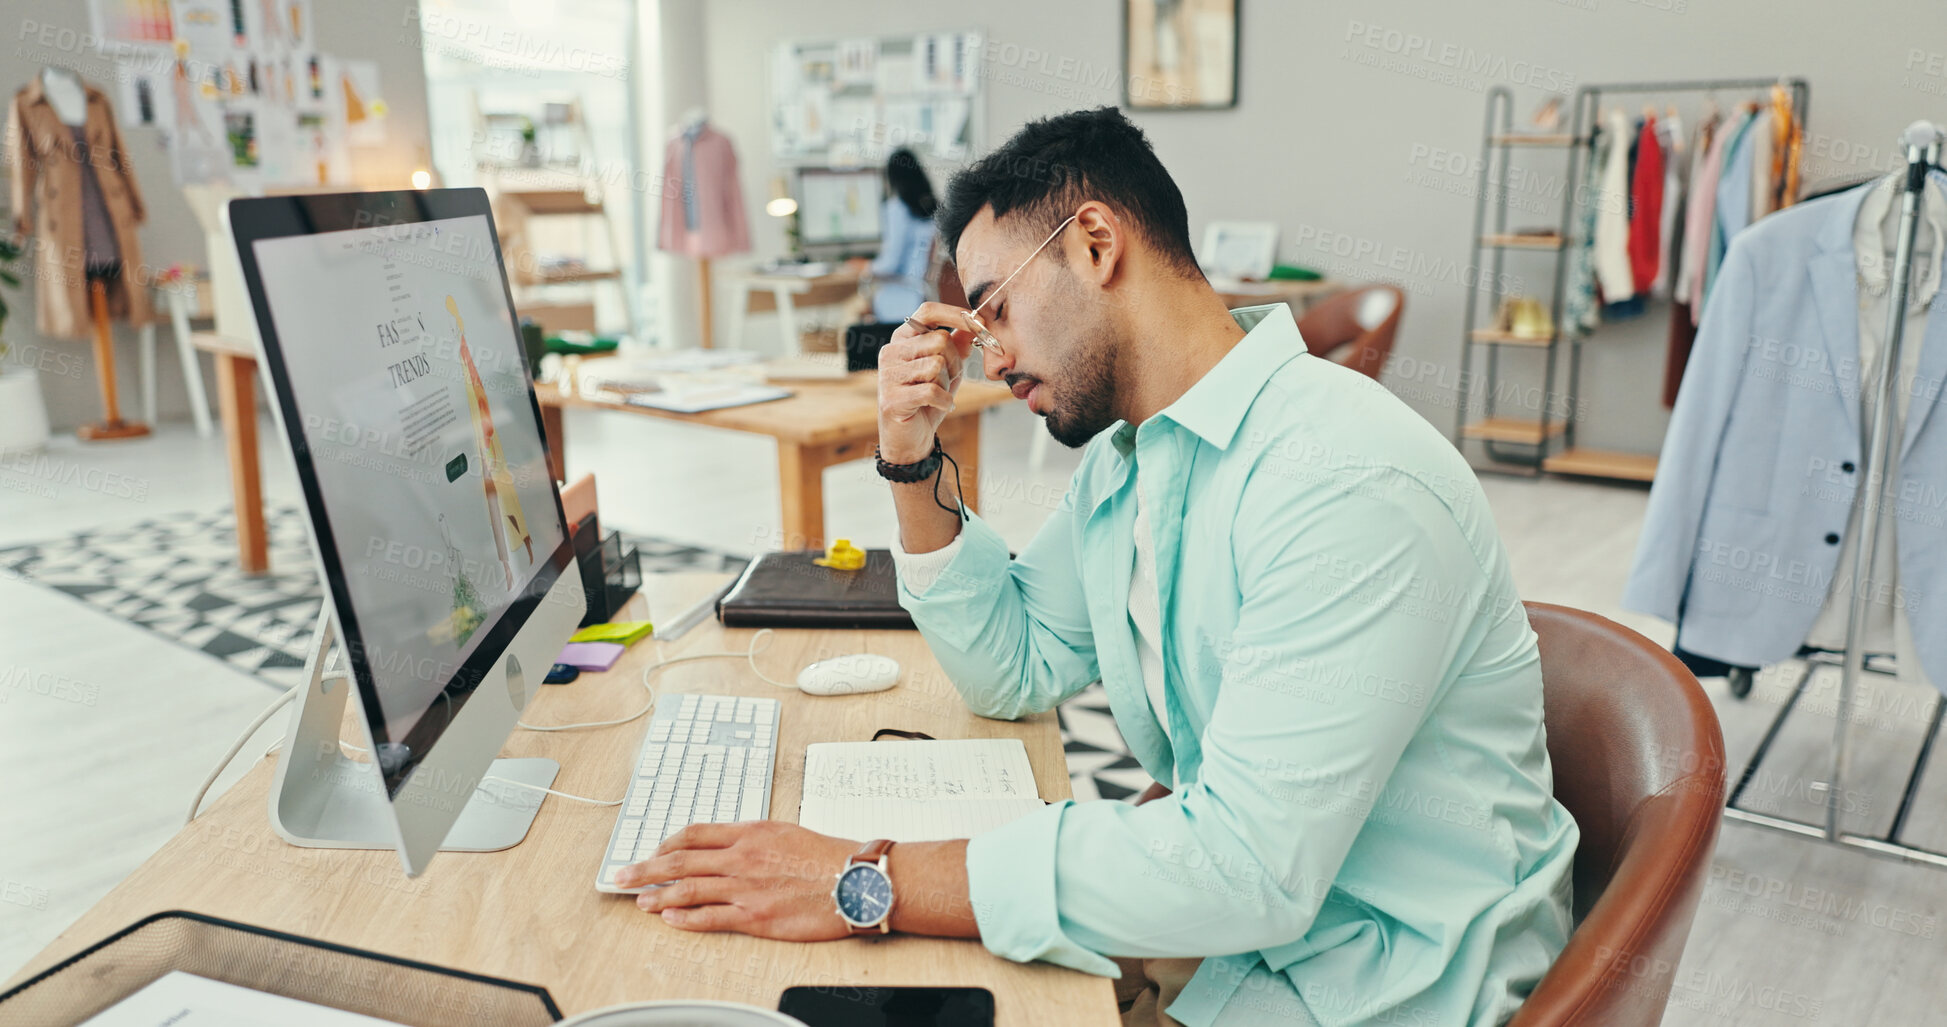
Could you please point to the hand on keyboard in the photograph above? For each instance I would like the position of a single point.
(706, 759)
(769, 879)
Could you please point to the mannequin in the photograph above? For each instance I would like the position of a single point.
(73, 187)
(66, 96)
(703, 207)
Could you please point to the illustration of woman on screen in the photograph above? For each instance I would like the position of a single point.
(503, 502)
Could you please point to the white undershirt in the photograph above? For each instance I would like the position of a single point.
(919, 570)
(1145, 613)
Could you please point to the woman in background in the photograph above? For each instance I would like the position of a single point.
(906, 240)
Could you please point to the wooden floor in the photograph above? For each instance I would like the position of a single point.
(105, 730)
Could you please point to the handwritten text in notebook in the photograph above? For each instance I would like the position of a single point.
(916, 791)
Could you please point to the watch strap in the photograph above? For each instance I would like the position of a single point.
(873, 852)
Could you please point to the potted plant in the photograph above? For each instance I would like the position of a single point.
(23, 416)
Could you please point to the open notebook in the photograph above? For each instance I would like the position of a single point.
(916, 791)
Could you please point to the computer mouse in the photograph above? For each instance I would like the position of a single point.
(849, 675)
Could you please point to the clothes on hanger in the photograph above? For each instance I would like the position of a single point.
(1656, 220)
(1683, 331)
(1888, 626)
(1788, 145)
(703, 202)
(1646, 207)
(1580, 309)
(73, 188)
(1703, 216)
(1764, 198)
(1613, 273)
(1676, 166)
(1733, 210)
(1743, 539)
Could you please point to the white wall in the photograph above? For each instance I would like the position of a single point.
(1336, 129)
(385, 32)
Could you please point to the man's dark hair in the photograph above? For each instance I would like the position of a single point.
(1054, 165)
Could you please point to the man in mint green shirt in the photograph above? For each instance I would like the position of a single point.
(1292, 590)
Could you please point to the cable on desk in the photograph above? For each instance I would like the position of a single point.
(196, 804)
(763, 636)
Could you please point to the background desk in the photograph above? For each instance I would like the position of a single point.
(236, 402)
(785, 293)
(820, 425)
(531, 913)
(1299, 296)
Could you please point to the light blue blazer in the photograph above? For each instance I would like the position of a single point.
(1766, 449)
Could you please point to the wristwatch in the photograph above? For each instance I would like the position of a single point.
(864, 890)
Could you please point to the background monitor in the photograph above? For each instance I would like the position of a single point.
(391, 346)
(839, 206)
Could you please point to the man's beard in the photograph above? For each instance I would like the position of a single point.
(1086, 402)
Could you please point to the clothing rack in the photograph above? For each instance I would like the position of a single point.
(1921, 144)
(1529, 442)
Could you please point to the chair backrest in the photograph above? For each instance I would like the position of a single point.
(1361, 322)
(1639, 762)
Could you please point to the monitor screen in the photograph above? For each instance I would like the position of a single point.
(416, 433)
(839, 206)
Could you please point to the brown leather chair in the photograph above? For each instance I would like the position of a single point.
(1355, 328)
(1639, 762)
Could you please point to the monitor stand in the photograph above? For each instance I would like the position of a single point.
(321, 799)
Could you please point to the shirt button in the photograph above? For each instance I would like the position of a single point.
(1846, 467)
(1831, 538)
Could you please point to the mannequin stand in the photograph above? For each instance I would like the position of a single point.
(112, 425)
(706, 318)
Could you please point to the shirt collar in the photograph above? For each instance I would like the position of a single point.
(1214, 406)
(1869, 239)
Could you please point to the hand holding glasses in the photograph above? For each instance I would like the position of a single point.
(919, 371)
(970, 319)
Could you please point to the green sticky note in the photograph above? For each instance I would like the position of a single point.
(627, 632)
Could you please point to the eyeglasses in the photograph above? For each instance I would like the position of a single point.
(984, 339)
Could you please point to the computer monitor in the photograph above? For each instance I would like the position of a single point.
(392, 351)
(840, 206)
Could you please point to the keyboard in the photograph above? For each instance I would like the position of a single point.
(706, 759)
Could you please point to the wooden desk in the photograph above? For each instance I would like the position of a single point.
(532, 914)
(1299, 296)
(236, 402)
(785, 294)
(822, 424)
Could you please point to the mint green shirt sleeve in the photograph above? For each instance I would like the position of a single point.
(1012, 634)
(1241, 858)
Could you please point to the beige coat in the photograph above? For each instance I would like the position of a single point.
(46, 184)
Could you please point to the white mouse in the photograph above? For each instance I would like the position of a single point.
(849, 675)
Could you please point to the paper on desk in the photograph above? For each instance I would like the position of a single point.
(916, 791)
(911, 820)
(961, 768)
(180, 999)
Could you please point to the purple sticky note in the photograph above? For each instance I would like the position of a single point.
(590, 655)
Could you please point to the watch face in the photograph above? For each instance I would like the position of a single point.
(864, 894)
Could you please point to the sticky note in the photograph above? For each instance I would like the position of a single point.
(626, 632)
(590, 655)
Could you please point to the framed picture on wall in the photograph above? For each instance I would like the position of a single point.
(1179, 54)
(1239, 250)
